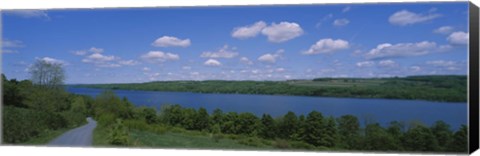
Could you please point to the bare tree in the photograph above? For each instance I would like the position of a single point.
(47, 74)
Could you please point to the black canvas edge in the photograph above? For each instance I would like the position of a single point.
(473, 105)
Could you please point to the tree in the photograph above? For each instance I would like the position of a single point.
(150, 115)
(348, 130)
(442, 132)
(189, 118)
(268, 128)
(460, 140)
(229, 126)
(202, 120)
(314, 129)
(330, 133)
(377, 139)
(247, 123)
(288, 126)
(79, 105)
(48, 74)
(420, 138)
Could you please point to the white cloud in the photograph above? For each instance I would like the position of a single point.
(282, 32)
(327, 45)
(224, 52)
(95, 50)
(387, 63)
(415, 68)
(443, 30)
(271, 58)
(280, 69)
(365, 64)
(170, 41)
(245, 60)
(387, 50)
(341, 22)
(212, 62)
(186, 67)
(405, 17)
(146, 69)
(128, 62)
(346, 9)
(29, 13)
(159, 56)
(6, 43)
(97, 57)
(248, 31)
(441, 63)
(458, 37)
(52, 60)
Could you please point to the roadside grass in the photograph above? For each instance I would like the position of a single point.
(183, 140)
(45, 137)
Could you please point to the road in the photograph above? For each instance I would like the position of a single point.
(80, 137)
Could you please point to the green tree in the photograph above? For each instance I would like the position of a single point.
(330, 135)
(189, 118)
(442, 132)
(315, 129)
(79, 105)
(348, 130)
(378, 139)
(202, 120)
(460, 140)
(288, 126)
(247, 123)
(230, 126)
(420, 138)
(268, 128)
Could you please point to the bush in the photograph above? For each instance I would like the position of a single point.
(73, 119)
(217, 137)
(136, 124)
(282, 144)
(118, 134)
(105, 120)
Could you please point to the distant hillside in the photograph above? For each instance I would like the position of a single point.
(451, 88)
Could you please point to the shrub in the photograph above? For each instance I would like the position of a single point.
(301, 145)
(282, 144)
(118, 134)
(251, 141)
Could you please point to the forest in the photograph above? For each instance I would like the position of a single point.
(446, 88)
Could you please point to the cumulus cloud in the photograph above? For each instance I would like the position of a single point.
(248, 31)
(186, 67)
(443, 30)
(387, 50)
(327, 45)
(458, 38)
(97, 57)
(212, 62)
(387, 63)
(29, 13)
(146, 69)
(365, 64)
(224, 52)
(447, 65)
(282, 31)
(170, 41)
(95, 50)
(52, 60)
(159, 57)
(271, 58)
(405, 17)
(341, 22)
(245, 60)
(80, 52)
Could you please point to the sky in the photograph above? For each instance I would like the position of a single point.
(239, 42)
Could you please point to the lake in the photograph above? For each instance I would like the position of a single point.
(379, 110)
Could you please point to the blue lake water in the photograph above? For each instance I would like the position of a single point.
(380, 110)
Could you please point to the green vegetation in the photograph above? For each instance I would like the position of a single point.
(121, 124)
(36, 111)
(449, 88)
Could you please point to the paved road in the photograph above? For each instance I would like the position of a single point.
(81, 136)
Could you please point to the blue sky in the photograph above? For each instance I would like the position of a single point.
(239, 43)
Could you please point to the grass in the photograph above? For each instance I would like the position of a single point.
(46, 137)
(182, 140)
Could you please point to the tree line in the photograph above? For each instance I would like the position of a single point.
(449, 88)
